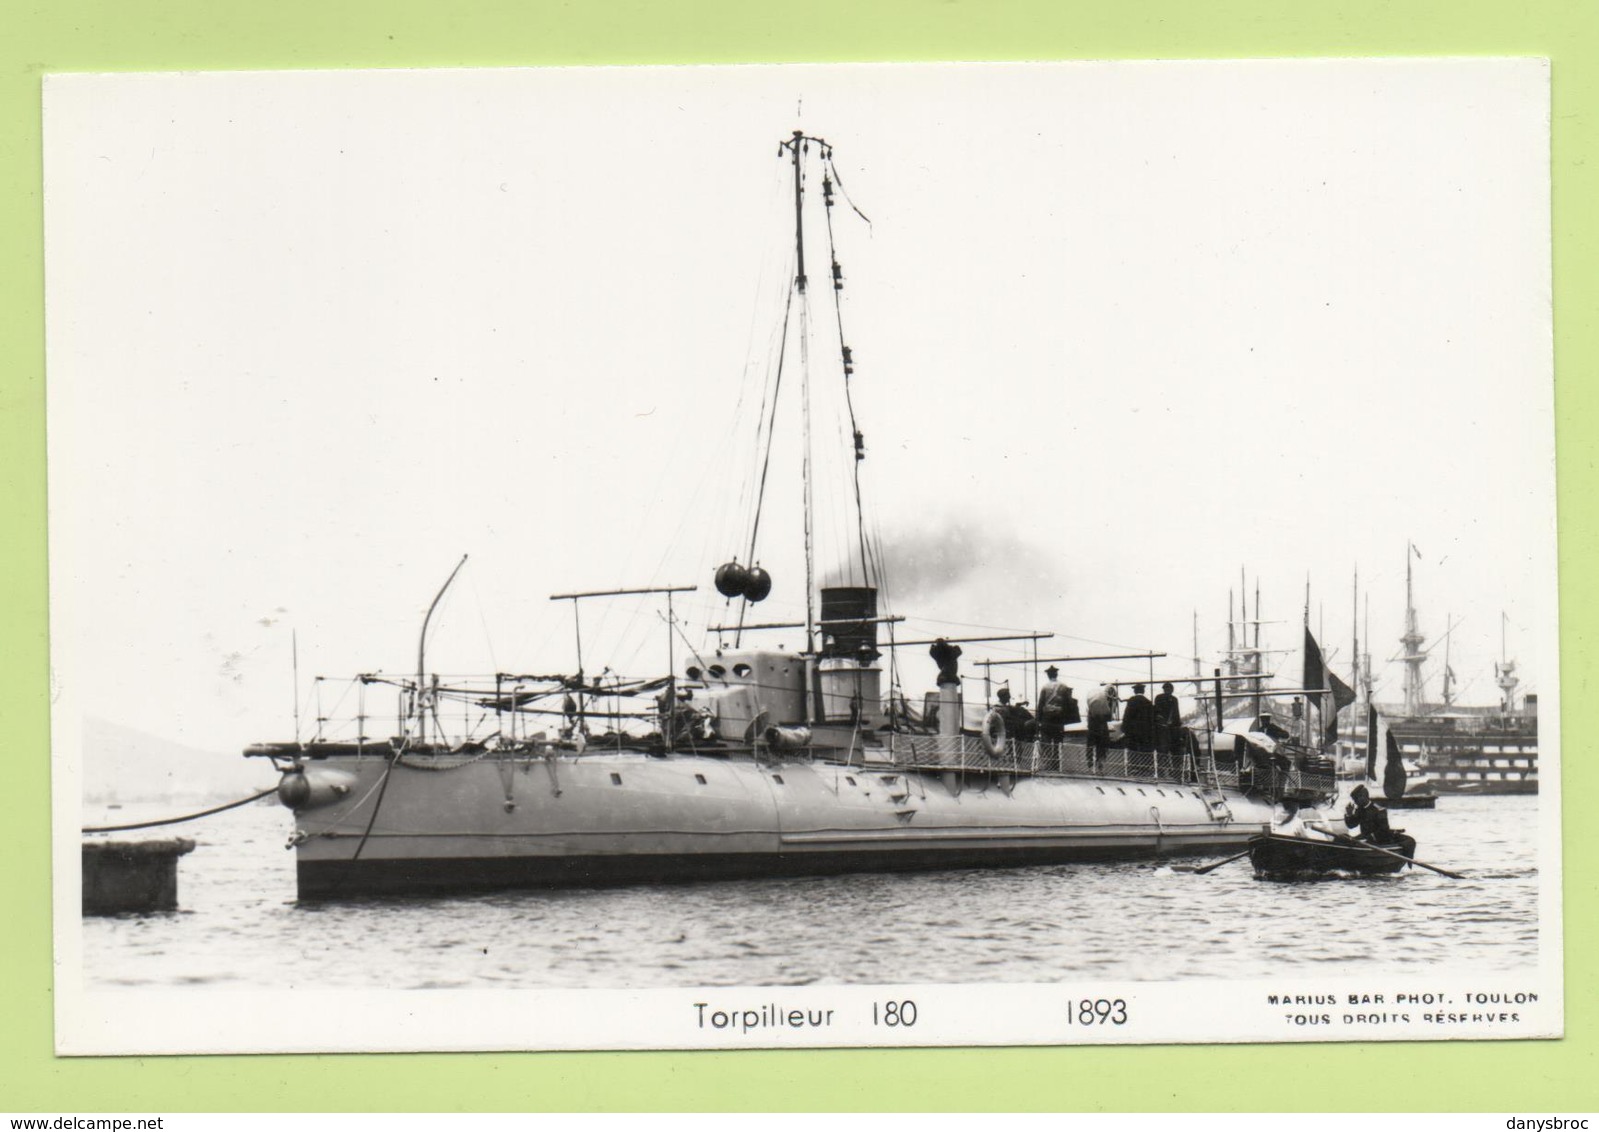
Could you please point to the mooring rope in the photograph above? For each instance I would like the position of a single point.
(185, 817)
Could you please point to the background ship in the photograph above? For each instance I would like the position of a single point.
(1448, 747)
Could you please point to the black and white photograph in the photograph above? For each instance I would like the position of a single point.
(677, 557)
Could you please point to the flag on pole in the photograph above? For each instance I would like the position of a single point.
(1371, 740)
(1393, 775)
(1318, 675)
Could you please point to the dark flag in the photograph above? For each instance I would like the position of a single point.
(1393, 775)
(1318, 675)
(1371, 741)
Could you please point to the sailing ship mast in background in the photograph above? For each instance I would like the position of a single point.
(1449, 673)
(1412, 656)
(1246, 658)
(1505, 672)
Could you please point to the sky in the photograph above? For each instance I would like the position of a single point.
(1121, 331)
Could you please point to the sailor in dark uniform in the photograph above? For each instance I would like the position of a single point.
(1372, 820)
(1138, 721)
(1019, 723)
(1168, 730)
(947, 657)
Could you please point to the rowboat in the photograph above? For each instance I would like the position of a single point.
(1279, 856)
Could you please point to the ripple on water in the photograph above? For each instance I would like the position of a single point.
(240, 923)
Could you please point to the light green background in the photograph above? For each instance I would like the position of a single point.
(130, 35)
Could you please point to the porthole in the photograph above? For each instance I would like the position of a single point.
(1140, 790)
(777, 778)
(742, 670)
(717, 671)
(700, 778)
(1120, 791)
(692, 672)
(1101, 789)
(616, 779)
(849, 780)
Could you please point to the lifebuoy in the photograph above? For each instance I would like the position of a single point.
(994, 733)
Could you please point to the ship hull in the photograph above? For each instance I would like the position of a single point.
(1482, 787)
(630, 818)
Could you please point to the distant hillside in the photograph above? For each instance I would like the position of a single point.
(124, 765)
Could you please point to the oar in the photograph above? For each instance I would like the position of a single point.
(1219, 864)
(1385, 852)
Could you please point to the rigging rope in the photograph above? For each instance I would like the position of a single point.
(834, 170)
(766, 461)
(186, 817)
(847, 360)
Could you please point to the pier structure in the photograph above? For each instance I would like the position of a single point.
(132, 876)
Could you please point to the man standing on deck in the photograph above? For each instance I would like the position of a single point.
(1168, 730)
(1101, 710)
(1019, 724)
(1138, 721)
(1056, 708)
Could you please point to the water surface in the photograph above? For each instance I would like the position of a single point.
(240, 925)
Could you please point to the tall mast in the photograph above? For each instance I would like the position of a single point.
(1505, 670)
(1449, 675)
(1365, 660)
(1232, 643)
(1257, 622)
(1413, 656)
(796, 145)
(1303, 634)
(1259, 664)
(1354, 635)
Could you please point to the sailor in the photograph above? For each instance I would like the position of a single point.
(1101, 710)
(1138, 721)
(1168, 729)
(1056, 708)
(1372, 820)
(947, 657)
(677, 719)
(1293, 823)
(1018, 720)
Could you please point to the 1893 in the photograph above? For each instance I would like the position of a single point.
(1097, 1012)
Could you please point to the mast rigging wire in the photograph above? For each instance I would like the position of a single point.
(846, 358)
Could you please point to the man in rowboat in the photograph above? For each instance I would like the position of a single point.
(1293, 824)
(1372, 821)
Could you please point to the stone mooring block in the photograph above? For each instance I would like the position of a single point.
(132, 876)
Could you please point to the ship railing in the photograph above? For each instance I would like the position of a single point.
(1068, 758)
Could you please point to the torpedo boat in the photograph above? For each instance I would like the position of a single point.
(746, 759)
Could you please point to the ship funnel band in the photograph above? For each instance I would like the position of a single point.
(850, 614)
